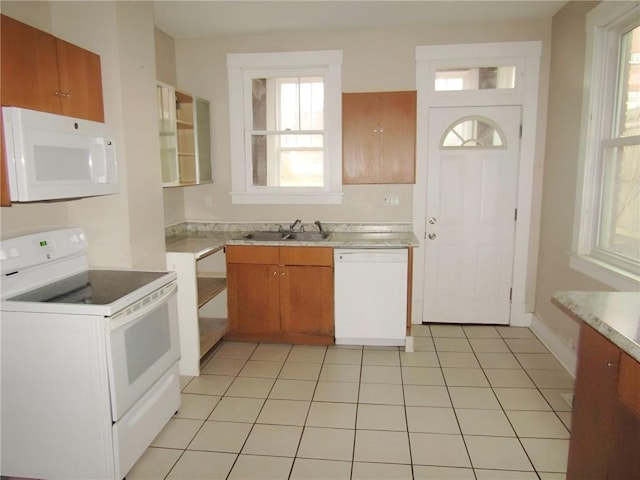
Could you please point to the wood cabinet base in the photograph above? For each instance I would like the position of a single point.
(605, 426)
(280, 337)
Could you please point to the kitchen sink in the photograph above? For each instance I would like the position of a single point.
(308, 236)
(282, 236)
(266, 236)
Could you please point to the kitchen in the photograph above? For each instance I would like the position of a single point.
(130, 230)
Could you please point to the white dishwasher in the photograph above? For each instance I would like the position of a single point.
(370, 296)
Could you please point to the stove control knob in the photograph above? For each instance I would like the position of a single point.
(74, 238)
(14, 252)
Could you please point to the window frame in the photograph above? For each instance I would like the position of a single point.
(605, 25)
(241, 68)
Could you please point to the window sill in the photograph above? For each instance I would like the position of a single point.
(325, 198)
(603, 272)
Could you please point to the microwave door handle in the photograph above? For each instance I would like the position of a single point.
(122, 318)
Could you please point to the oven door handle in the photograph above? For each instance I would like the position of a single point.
(133, 314)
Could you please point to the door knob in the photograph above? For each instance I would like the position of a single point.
(432, 236)
(432, 220)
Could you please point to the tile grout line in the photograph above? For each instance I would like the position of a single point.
(358, 403)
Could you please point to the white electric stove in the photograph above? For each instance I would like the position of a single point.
(89, 359)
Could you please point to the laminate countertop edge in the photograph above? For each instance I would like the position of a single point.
(203, 243)
(616, 315)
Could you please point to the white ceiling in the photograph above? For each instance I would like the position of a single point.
(194, 19)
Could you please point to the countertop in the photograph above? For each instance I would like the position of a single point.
(203, 238)
(616, 315)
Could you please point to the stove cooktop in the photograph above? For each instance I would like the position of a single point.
(95, 287)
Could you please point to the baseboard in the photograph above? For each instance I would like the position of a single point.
(563, 353)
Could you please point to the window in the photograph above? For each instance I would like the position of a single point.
(607, 244)
(473, 132)
(285, 125)
(475, 78)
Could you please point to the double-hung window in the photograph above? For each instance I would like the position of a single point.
(607, 240)
(285, 126)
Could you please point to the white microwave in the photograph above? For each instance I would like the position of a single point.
(52, 156)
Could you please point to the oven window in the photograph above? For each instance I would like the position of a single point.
(146, 342)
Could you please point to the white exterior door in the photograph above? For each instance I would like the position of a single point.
(472, 178)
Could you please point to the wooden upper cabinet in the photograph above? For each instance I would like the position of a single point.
(42, 72)
(80, 82)
(29, 67)
(378, 137)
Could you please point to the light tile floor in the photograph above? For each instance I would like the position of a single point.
(472, 402)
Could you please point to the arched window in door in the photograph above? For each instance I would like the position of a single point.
(473, 132)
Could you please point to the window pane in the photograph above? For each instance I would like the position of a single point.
(259, 101)
(629, 89)
(290, 160)
(301, 169)
(473, 132)
(476, 78)
(288, 103)
(619, 230)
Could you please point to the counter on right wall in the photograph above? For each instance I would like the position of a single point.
(605, 419)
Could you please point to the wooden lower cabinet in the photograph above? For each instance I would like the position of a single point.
(306, 300)
(253, 293)
(605, 423)
(280, 294)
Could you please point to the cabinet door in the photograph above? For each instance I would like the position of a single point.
(592, 430)
(29, 67)
(625, 461)
(203, 140)
(252, 298)
(306, 300)
(166, 98)
(397, 137)
(360, 138)
(80, 82)
(378, 137)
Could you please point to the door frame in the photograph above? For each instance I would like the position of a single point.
(526, 57)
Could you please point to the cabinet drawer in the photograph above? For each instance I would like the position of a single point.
(629, 382)
(322, 256)
(253, 254)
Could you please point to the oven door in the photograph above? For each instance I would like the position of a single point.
(142, 345)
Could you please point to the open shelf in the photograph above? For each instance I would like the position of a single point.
(209, 287)
(211, 332)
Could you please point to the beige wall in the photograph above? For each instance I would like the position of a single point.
(126, 229)
(166, 73)
(373, 60)
(560, 171)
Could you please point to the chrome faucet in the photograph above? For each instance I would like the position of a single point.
(292, 228)
(317, 222)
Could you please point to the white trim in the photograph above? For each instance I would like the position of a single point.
(495, 52)
(526, 56)
(566, 355)
(330, 62)
(606, 273)
(596, 108)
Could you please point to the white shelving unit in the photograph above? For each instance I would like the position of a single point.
(201, 305)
